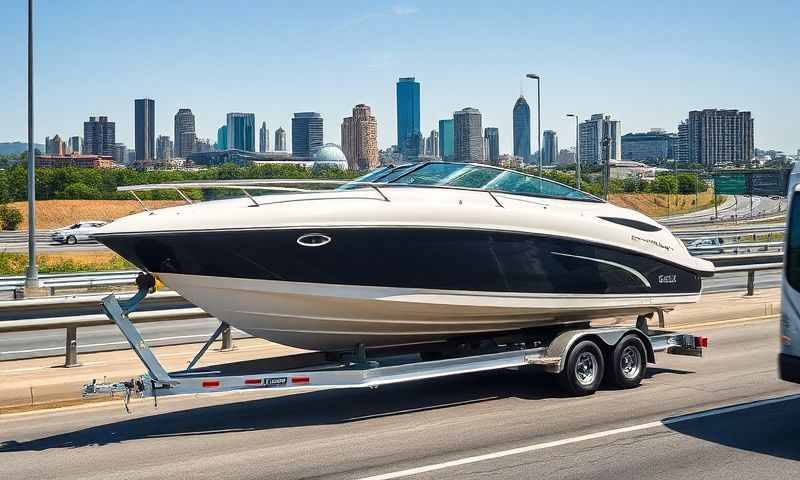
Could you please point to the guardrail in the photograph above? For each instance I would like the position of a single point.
(751, 272)
(71, 323)
(729, 232)
(55, 281)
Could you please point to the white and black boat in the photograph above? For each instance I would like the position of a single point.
(409, 254)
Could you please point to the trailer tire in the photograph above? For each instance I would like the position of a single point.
(583, 369)
(627, 363)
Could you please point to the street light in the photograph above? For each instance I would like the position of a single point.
(577, 151)
(32, 272)
(538, 117)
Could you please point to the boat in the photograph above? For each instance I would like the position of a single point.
(407, 254)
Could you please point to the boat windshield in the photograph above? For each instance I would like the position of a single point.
(464, 175)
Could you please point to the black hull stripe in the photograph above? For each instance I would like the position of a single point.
(426, 258)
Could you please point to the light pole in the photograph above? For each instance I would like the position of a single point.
(577, 151)
(32, 272)
(538, 118)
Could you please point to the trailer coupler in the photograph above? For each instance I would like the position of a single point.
(118, 311)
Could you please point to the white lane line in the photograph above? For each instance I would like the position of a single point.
(90, 345)
(581, 438)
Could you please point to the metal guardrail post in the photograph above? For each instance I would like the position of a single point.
(71, 359)
(751, 282)
(227, 343)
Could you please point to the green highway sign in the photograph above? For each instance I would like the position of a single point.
(731, 184)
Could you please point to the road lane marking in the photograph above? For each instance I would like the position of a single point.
(581, 438)
(107, 344)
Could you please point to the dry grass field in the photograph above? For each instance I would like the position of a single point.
(655, 205)
(61, 213)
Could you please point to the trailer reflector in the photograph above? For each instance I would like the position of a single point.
(300, 380)
(252, 381)
(701, 342)
(210, 383)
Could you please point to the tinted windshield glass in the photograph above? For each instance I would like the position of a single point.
(488, 178)
(433, 174)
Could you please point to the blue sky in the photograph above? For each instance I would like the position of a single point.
(646, 63)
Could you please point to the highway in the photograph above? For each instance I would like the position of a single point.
(734, 207)
(92, 339)
(504, 425)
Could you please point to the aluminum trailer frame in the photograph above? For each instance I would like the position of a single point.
(362, 372)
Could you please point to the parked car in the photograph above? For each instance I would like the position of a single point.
(705, 245)
(80, 232)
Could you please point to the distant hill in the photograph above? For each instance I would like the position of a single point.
(13, 148)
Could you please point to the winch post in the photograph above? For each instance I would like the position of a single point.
(118, 313)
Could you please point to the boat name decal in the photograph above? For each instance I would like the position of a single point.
(667, 279)
(655, 243)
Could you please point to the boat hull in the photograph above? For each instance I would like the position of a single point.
(331, 317)
(332, 288)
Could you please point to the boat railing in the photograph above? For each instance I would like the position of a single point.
(280, 185)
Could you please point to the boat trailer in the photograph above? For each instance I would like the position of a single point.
(357, 371)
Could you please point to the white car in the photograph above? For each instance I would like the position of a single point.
(80, 232)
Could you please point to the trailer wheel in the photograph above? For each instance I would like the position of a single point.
(583, 371)
(628, 363)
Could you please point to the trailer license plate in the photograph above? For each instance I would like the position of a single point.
(275, 382)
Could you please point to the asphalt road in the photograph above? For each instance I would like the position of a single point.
(503, 424)
(735, 207)
(92, 339)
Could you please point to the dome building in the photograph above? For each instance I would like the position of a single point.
(330, 155)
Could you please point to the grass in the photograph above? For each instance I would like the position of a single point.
(655, 204)
(60, 213)
(15, 263)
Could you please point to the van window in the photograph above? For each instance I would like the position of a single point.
(793, 244)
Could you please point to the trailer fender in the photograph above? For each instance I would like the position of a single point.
(609, 337)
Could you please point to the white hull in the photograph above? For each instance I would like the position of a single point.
(330, 317)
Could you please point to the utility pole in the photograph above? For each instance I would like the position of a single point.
(606, 167)
(577, 151)
(32, 272)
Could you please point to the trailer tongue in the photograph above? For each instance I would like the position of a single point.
(582, 357)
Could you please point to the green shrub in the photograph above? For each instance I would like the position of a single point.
(10, 217)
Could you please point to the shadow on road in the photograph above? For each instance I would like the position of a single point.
(305, 409)
(772, 429)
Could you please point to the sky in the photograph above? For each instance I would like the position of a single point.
(645, 63)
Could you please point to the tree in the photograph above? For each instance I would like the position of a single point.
(81, 191)
(664, 184)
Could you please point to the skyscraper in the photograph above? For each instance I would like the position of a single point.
(306, 134)
(360, 139)
(188, 140)
(280, 140)
(446, 140)
(222, 138)
(184, 122)
(407, 116)
(119, 152)
(432, 144)
(549, 147)
(653, 146)
(163, 148)
(98, 136)
(712, 137)
(75, 144)
(491, 142)
(263, 138)
(242, 131)
(522, 129)
(468, 135)
(54, 146)
(592, 133)
(145, 126)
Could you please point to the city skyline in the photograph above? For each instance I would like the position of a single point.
(697, 78)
